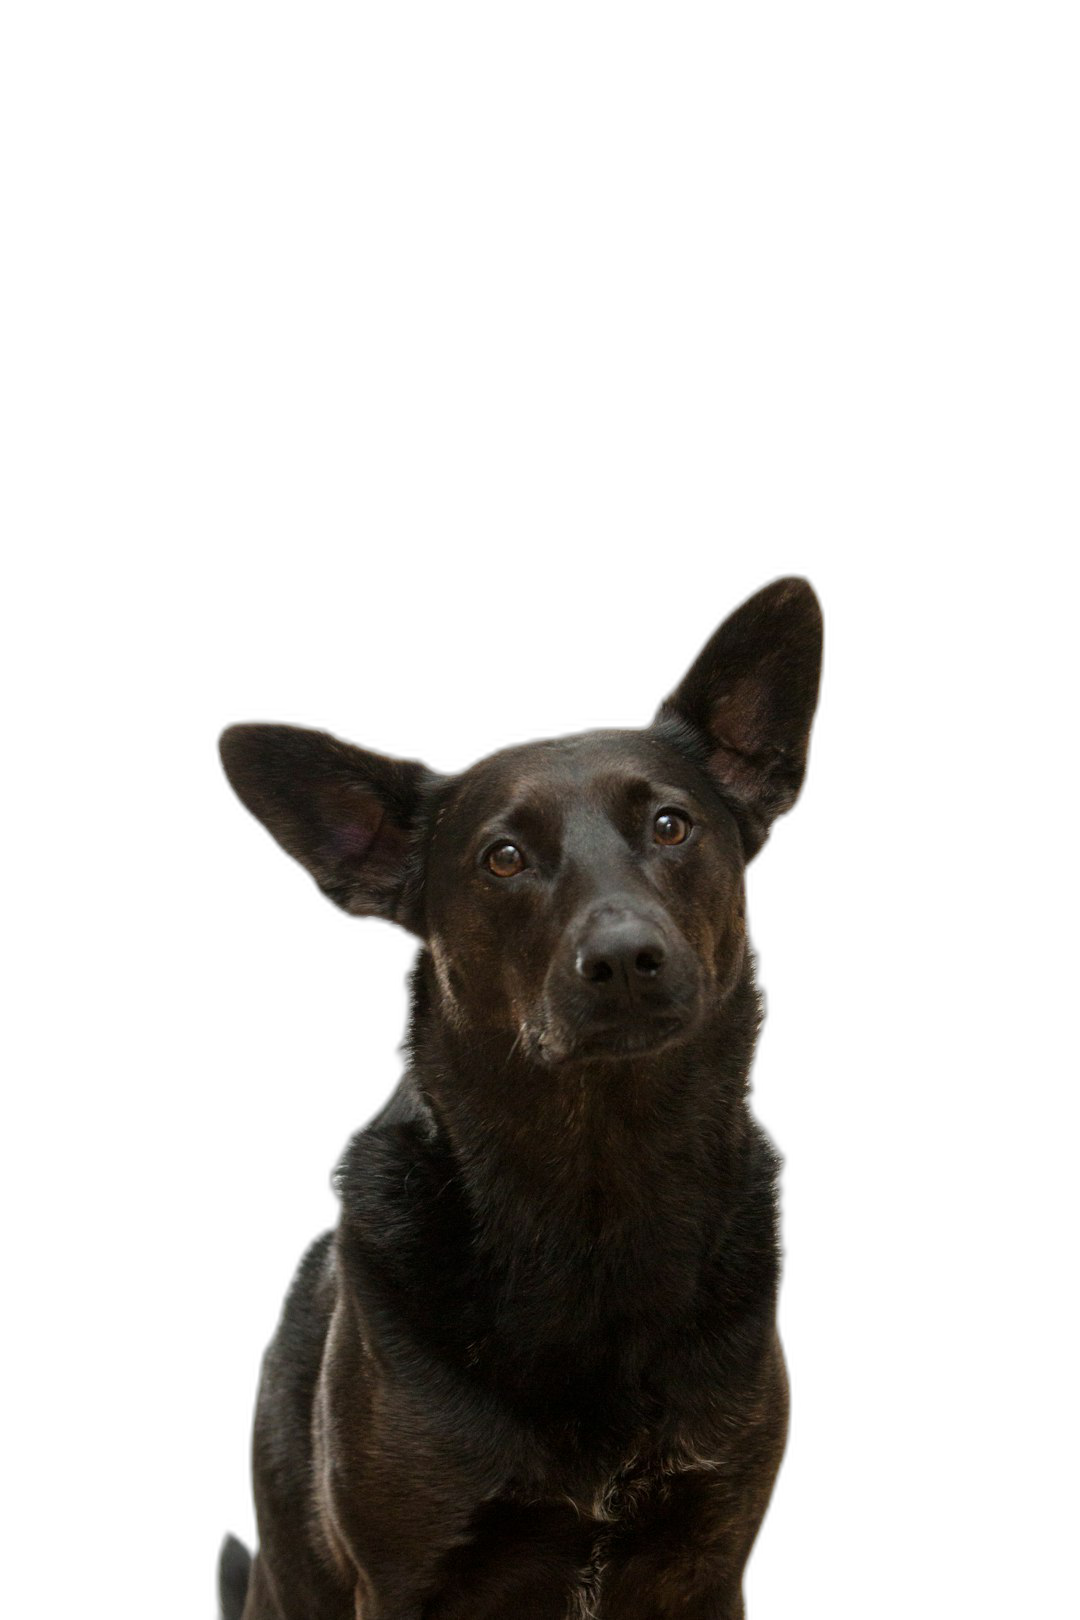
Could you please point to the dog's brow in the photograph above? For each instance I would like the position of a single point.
(530, 816)
(614, 787)
(534, 811)
(639, 788)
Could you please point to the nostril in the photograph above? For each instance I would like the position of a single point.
(625, 959)
(594, 968)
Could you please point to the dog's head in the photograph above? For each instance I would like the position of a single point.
(584, 896)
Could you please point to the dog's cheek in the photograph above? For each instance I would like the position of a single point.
(451, 985)
(728, 954)
(706, 904)
(526, 982)
(475, 977)
(712, 919)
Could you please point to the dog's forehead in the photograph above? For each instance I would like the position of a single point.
(593, 766)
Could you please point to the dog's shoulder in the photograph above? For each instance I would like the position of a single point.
(292, 1360)
(393, 1168)
(404, 1229)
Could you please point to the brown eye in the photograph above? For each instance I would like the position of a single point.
(505, 860)
(671, 827)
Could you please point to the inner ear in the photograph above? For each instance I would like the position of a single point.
(749, 699)
(349, 816)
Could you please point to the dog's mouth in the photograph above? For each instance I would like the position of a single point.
(611, 1039)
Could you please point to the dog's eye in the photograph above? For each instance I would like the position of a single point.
(671, 827)
(505, 860)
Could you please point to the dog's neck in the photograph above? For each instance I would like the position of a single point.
(621, 1170)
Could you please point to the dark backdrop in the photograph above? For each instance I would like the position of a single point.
(287, 1013)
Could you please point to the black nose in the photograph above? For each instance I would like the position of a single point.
(623, 950)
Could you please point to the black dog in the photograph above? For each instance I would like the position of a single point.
(534, 1373)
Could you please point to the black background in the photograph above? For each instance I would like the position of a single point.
(446, 647)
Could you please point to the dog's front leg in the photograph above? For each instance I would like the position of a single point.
(683, 1550)
(526, 1560)
(683, 1555)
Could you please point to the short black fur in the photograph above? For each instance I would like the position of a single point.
(534, 1371)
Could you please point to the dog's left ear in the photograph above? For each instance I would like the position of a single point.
(349, 816)
(749, 700)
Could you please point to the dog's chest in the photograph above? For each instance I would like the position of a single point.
(601, 1353)
(589, 1301)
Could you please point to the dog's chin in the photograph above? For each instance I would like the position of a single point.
(611, 1042)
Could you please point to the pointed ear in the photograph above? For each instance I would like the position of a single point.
(347, 815)
(749, 700)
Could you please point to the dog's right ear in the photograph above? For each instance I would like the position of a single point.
(348, 816)
(749, 701)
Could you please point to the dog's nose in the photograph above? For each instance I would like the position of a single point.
(622, 951)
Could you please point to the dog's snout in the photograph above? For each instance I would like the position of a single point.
(624, 979)
(621, 951)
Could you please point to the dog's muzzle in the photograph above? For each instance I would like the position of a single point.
(624, 982)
